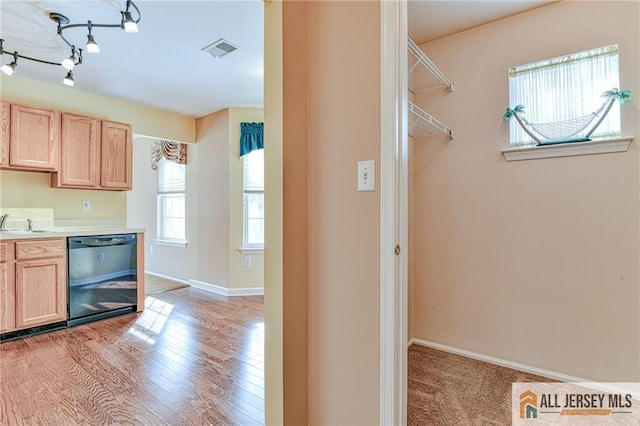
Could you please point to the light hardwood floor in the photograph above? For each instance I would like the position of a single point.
(190, 358)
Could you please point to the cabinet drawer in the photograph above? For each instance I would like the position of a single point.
(40, 249)
(3, 252)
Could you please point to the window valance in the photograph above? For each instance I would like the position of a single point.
(251, 137)
(172, 151)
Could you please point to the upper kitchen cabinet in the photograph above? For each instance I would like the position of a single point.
(29, 138)
(95, 154)
(79, 152)
(117, 149)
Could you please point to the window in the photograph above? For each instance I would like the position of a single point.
(565, 87)
(171, 201)
(253, 202)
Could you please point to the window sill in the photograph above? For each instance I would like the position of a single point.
(247, 250)
(601, 146)
(181, 244)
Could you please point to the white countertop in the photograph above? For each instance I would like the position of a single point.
(59, 232)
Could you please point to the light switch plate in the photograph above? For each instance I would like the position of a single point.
(366, 175)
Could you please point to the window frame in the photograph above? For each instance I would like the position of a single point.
(162, 238)
(246, 191)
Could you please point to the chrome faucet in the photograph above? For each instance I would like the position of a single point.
(29, 225)
(3, 221)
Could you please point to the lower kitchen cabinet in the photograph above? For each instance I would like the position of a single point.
(33, 284)
(40, 292)
(7, 288)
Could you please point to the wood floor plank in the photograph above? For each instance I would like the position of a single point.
(190, 358)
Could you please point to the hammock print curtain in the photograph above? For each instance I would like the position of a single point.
(565, 88)
(251, 137)
(173, 151)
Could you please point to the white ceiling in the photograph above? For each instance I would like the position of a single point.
(163, 65)
(433, 19)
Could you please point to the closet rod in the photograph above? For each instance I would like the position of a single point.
(424, 117)
(423, 59)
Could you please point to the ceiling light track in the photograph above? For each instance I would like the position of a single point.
(127, 23)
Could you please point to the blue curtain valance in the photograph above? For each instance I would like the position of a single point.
(251, 137)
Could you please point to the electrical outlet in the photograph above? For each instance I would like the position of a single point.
(150, 249)
(247, 261)
(86, 205)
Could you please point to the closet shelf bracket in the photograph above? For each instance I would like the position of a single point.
(423, 59)
(425, 121)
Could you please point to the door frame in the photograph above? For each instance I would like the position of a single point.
(394, 210)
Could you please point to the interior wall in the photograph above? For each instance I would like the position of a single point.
(535, 262)
(145, 120)
(170, 261)
(343, 113)
(240, 275)
(295, 71)
(33, 190)
(208, 198)
(274, 344)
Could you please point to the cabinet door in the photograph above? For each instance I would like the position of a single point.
(7, 289)
(79, 154)
(115, 167)
(33, 141)
(41, 295)
(5, 122)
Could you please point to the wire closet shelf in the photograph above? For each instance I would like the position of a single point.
(419, 118)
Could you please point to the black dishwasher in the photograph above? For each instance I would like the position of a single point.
(102, 277)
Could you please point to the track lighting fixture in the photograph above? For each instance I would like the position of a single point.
(127, 23)
(68, 80)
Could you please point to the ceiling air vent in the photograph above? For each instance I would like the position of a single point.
(220, 48)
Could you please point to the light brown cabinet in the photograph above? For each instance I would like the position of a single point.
(35, 281)
(30, 138)
(95, 154)
(79, 152)
(115, 164)
(7, 287)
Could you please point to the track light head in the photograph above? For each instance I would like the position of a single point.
(8, 69)
(128, 23)
(92, 46)
(68, 80)
(70, 62)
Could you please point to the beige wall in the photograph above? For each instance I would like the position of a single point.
(239, 275)
(213, 202)
(273, 254)
(341, 102)
(295, 214)
(144, 120)
(535, 262)
(32, 189)
(175, 262)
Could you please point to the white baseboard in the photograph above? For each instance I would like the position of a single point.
(501, 362)
(167, 277)
(227, 292)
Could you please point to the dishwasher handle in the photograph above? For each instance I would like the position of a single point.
(102, 241)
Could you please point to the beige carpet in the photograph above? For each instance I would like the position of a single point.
(153, 284)
(447, 389)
